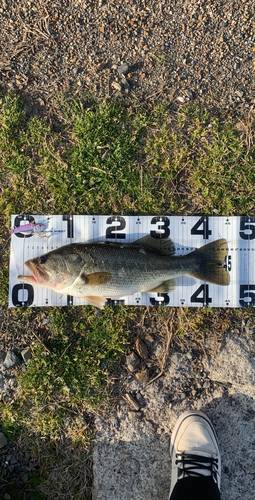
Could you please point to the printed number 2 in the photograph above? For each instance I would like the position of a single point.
(112, 230)
(247, 297)
(164, 223)
(205, 231)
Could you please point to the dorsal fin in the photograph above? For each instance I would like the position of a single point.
(164, 246)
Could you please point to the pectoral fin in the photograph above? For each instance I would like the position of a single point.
(96, 301)
(165, 287)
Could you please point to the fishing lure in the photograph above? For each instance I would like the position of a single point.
(39, 229)
(33, 227)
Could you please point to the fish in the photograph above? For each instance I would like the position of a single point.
(101, 270)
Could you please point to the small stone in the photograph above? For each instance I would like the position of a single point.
(183, 395)
(126, 86)
(143, 376)
(13, 460)
(25, 478)
(132, 361)
(206, 385)
(158, 350)
(81, 421)
(27, 109)
(189, 355)
(26, 354)
(10, 361)
(114, 66)
(134, 415)
(75, 71)
(123, 69)
(7, 496)
(239, 93)
(116, 86)
(3, 440)
(45, 321)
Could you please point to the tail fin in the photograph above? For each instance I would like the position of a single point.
(210, 267)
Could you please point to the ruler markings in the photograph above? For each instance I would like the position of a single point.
(187, 233)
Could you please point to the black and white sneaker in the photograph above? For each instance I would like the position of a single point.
(194, 448)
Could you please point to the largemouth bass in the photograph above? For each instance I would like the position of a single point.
(97, 271)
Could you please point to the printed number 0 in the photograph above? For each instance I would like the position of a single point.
(17, 221)
(30, 295)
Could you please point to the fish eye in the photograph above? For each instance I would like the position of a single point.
(42, 259)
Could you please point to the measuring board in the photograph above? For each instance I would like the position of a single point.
(187, 233)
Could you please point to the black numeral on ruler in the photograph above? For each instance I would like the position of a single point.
(25, 289)
(201, 295)
(115, 302)
(17, 223)
(112, 230)
(202, 223)
(247, 228)
(69, 220)
(162, 300)
(247, 295)
(163, 225)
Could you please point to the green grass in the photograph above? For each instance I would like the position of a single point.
(161, 158)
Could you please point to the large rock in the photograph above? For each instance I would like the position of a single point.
(131, 457)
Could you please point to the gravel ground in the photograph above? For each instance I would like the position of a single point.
(195, 49)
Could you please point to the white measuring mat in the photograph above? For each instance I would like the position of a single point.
(187, 233)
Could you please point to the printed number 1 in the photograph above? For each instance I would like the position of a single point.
(69, 219)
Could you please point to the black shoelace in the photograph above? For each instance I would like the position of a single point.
(190, 464)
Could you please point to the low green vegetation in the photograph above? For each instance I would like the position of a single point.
(103, 158)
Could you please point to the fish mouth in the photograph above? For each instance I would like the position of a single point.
(39, 275)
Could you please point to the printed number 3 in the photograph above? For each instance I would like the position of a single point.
(164, 223)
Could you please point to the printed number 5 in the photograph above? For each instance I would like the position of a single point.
(247, 297)
(245, 225)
